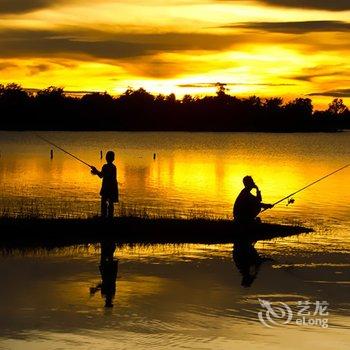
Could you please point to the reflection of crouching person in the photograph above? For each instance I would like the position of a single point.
(109, 189)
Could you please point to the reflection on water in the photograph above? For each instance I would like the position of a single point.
(109, 272)
(247, 261)
(182, 296)
(244, 255)
(168, 297)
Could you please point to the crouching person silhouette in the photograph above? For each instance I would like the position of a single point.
(247, 206)
(109, 190)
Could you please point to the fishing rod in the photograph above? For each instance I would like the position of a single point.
(63, 150)
(309, 185)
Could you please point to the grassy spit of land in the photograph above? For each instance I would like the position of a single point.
(55, 232)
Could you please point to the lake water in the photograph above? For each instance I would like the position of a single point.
(182, 296)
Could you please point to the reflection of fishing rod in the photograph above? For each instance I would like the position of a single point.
(304, 188)
(63, 150)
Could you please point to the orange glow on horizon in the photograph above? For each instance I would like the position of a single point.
(173, 47)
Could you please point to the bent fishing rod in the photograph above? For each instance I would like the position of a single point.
(309, 185)
(63, 150)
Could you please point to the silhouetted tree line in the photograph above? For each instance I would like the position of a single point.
(53, 109)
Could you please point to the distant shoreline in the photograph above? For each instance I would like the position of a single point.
(52, 109)
(320, 131)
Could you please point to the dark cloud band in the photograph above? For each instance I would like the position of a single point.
(293, 27)
(340, 93)
(23, 6)
(329, 5)
(20, 43)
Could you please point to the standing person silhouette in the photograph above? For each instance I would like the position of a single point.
(109, 190)
(247, 206)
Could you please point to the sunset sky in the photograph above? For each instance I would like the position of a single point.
(289, 48)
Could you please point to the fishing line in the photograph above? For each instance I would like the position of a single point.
(309, 185)
(63, 150)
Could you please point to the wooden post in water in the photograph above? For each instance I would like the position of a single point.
(101, 154)
(154, 156)
(51, 154)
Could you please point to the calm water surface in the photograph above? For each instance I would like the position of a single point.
(184, 296)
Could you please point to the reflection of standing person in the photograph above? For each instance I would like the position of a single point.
(109, 189)
(109, 272)
(247, 206)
